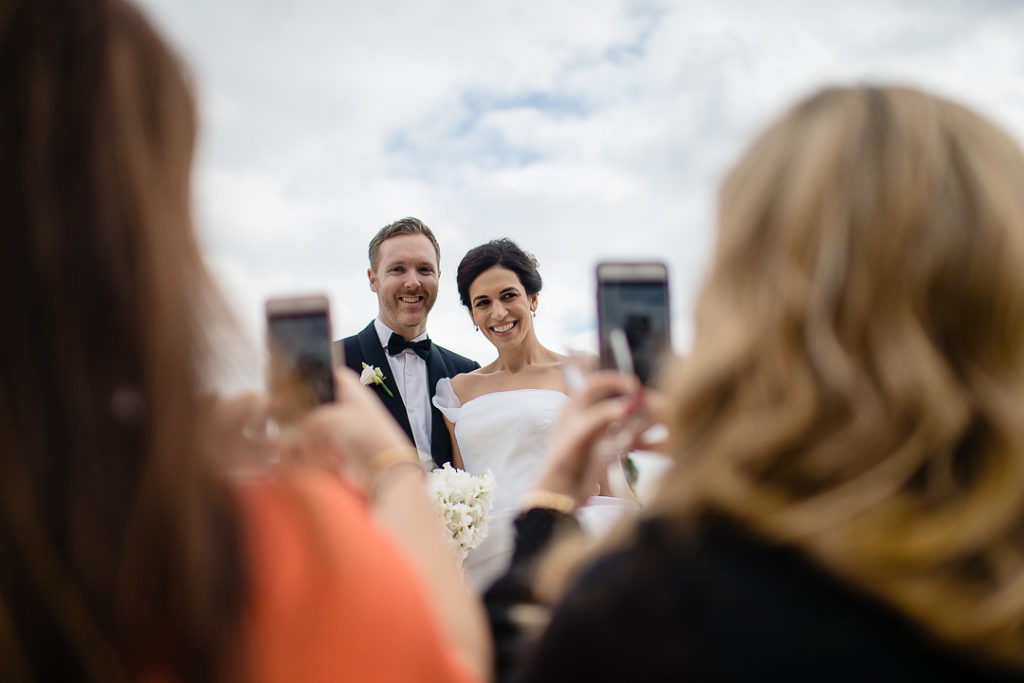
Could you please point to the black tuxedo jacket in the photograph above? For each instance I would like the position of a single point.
(365, 348)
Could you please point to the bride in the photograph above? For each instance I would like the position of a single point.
(501, 415)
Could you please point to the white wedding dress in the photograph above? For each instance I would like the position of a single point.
(507, 432)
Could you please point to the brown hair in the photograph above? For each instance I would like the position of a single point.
(857, 379)
(120, 545)
(501, 252)
(403, 226)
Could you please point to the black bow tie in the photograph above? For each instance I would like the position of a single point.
(397, 343)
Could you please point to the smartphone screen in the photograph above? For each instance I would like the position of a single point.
(633, 298)
(299, 340)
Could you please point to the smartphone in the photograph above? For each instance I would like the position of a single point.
(301, 367)
(633, 317)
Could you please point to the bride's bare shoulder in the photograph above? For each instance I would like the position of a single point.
(469, 385)
(465, 384)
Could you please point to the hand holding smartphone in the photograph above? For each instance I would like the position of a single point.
(633, 332)
(301, 368)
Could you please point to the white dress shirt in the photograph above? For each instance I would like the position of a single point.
(410, 373)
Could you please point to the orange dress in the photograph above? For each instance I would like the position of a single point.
(333, 598)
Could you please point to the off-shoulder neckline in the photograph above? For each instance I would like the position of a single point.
(509, 391)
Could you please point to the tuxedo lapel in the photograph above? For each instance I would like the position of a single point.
(373, 354)
(440, 443)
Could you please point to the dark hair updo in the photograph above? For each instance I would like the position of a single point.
(504, 253)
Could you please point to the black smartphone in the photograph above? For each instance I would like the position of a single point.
(633, 314)
(301, 368)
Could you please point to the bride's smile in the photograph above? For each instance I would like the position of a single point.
(501, 306)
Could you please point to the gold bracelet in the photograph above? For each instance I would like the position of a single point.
(388, 461)
(550, 500)
(393, 456)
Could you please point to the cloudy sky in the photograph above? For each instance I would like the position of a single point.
(583, 129)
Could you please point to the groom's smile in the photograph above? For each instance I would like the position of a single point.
(405, 281)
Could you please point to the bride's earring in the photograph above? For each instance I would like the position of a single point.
(476, 327)
(533, 313)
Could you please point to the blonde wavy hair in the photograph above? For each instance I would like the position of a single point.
(856, 386)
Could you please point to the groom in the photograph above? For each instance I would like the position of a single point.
(404, 269)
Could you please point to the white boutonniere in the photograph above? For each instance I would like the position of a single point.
(463, 503)
(373, 375)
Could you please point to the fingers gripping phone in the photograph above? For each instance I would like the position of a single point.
(301, 368)
(633, 314)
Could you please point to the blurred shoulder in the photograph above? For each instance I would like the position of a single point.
(331, 593)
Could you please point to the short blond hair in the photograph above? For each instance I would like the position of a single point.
(403, 226)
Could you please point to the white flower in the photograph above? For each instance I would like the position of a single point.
(373, 375)
(463, 504)
(368, 375)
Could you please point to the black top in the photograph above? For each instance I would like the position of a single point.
(365, 347)
(712, 603)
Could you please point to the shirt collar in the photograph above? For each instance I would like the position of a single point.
(384, 333)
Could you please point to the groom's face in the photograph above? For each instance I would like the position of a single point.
(405, 281)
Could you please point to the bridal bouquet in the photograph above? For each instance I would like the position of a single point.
(463, 503)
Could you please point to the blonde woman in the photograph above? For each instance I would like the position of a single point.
(847, 498)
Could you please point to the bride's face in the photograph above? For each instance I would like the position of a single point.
(501, 308)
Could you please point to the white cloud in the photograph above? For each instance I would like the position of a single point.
(583, 129)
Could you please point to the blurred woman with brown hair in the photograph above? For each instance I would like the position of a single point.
(847, 497)
(127, 553)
